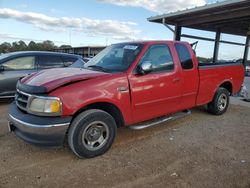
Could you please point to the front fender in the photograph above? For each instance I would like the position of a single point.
(79, 95)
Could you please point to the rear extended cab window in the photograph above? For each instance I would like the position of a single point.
(184, 56)
(160, 57)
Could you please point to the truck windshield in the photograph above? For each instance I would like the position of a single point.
(115, 58)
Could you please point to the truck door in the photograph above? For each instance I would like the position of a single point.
(190, 75)
(156, 93)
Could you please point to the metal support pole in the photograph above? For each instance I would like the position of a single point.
(246, 51)
(177, 33)
(166, 25)
(216, 46)
(88, 51)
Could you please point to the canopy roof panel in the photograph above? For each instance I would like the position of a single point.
(231, 17)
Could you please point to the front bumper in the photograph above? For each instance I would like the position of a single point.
(37, 130)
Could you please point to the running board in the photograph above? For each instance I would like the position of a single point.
(160, 120)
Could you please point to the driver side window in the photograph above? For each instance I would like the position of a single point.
(160, 57)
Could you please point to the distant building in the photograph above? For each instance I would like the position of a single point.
(85, 51)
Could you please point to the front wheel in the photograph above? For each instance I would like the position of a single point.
(91, 133)
(220, 102)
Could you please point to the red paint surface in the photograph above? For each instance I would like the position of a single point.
(148, 96)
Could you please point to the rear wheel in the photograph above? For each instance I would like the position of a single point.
(91, 133)
(220, 102)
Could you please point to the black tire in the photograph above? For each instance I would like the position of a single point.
(217, 106)
(86, 127)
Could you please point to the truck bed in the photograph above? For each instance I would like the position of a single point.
(228, 63)
(212, 75)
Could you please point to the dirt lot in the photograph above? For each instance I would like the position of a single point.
(200, 150)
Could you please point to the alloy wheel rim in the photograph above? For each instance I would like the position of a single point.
(95, 135)
(222, 102)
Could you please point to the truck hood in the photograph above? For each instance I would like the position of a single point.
(51, 79)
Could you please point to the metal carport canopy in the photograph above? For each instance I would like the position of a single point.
(230, 17)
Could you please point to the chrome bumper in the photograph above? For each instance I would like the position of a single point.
(43, 131)
(37, 129)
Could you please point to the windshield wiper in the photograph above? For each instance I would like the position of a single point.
(96, 67)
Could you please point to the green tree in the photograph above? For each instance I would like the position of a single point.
(19, 46)
(32, 46)
(47, 45)
(65, 46)
(5, 47)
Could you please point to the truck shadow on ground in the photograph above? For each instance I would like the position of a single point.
(125, 135)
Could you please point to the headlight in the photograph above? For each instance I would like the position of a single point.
(45, 106)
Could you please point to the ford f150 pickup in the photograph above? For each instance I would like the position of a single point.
(135, 84)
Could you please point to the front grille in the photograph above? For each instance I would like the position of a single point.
(22, 100)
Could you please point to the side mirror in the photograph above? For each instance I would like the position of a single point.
(1, 68)
(145, 67)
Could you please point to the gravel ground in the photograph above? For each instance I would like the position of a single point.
(200, 150)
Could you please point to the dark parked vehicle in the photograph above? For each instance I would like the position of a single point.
(15, 65)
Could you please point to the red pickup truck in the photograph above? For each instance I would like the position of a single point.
(135, 84)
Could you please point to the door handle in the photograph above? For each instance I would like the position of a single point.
(122, 89)
(176, 79)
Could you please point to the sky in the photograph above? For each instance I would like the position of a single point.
(98, 22)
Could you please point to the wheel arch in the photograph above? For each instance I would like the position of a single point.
(108, 107)
(227, 85)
